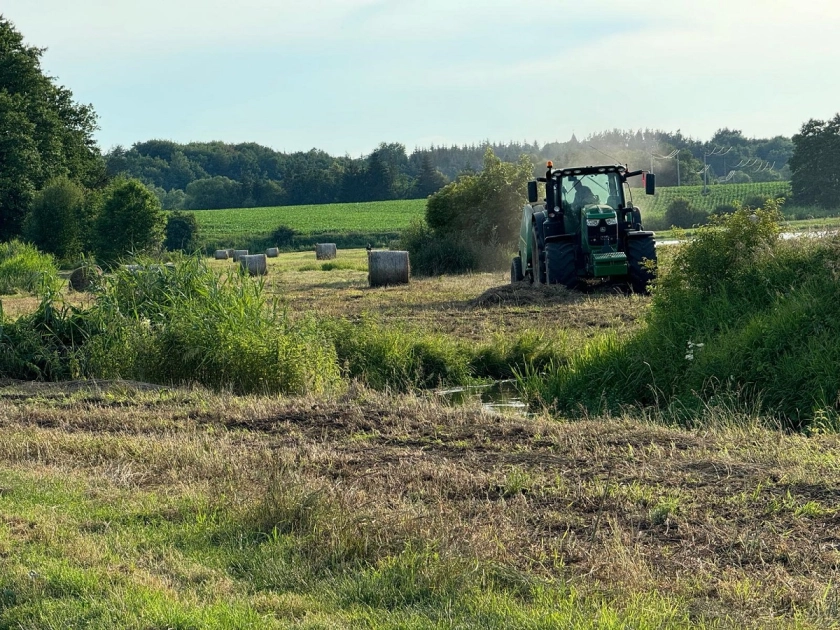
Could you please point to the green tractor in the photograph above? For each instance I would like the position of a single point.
(587, 227)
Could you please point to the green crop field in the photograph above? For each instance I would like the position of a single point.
(373, 220)
(720, 194)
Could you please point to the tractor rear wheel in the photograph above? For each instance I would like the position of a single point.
(639, 251)
(537, 263)
(560, 264)
(516, 270)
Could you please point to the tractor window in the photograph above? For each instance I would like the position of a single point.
(583, 190)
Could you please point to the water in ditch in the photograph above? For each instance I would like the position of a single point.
(498, 397)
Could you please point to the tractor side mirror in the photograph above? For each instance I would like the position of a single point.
(650, 184)
(532, 192)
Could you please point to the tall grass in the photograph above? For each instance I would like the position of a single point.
(172, 325)
(24, 269)
(741, 315)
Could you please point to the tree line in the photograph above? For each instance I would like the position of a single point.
(207, 175)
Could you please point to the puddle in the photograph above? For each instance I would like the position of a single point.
(498, 397)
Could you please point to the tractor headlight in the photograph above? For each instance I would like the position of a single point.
(593, 222)
(612, 221)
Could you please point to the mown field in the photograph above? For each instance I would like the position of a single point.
(371, 500)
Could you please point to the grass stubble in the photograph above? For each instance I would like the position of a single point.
(143, 506)
(130, 505)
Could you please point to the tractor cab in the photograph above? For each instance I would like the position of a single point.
(587, 226)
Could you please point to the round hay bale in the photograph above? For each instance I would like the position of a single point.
(83, 277)
(230, 253)
(388, 268)
(325, 251)
(255, 264)
(272, 252)
(239, 253)
(221, 254)
(133, 268)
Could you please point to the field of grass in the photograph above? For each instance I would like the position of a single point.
(378, 222)
(124, 504)
(355, 225)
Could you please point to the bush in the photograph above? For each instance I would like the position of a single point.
(24, 269)
(680, 213)
(741, 316)
(755, 201)
(485, 207)
(432, 254)
(57, 223)
(130, 221)
(181, 232)
(283, 236)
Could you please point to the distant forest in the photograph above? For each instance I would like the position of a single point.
(211, 175)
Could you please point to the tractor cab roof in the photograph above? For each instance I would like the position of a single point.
(588, 170)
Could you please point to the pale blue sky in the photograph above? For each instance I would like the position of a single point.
(344, 75)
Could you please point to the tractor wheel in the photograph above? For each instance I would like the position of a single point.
(560, 264)
(516, 270)
(640, 250)
(537, 263)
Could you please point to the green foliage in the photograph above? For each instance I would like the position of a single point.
(176, 324)
(181, 232)
(43, 133)
(130, 221)
(24, 269)
(429, 180)
(682, 214)
(653, 208)
(741, 318)
(213, 193)
(57, 222)
(813, 166)
(283, 236)
(433, 254)
(399, 359)
(485, 206)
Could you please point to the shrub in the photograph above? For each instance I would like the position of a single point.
(680, 213)
(434, 254)
(283, 236)
(57, 223)
(755, 201)
(130, 221)
(483, 209)
(725, 208)
(181, 232)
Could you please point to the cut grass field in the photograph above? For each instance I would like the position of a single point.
(138, 506)
(132, 506)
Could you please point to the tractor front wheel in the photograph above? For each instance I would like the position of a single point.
(641, 262)
(560, 264)
(537, 264)
(516, 274)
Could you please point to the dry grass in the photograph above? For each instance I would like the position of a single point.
(740, 524)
